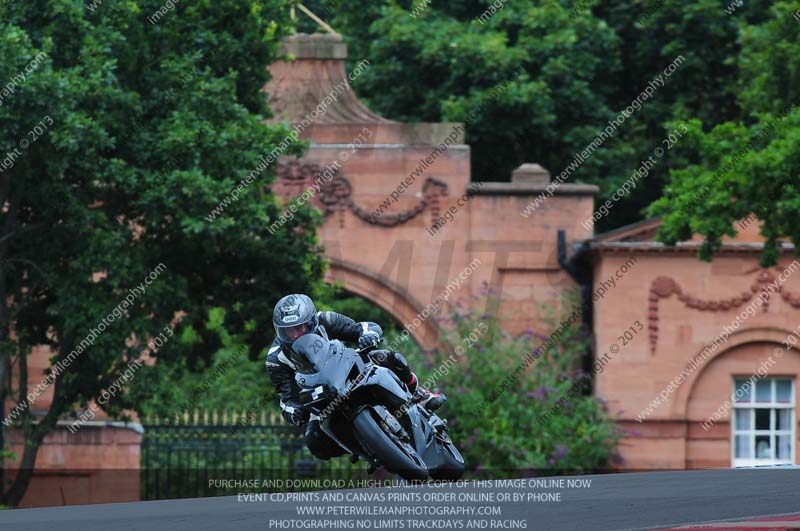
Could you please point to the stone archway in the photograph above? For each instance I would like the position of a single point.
(739, 339)
(387, 295)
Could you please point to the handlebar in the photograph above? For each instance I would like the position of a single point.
(368, 347)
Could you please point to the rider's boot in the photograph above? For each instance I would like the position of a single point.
(398, 364)
(427, 399)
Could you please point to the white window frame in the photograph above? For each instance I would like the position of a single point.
(772, 405)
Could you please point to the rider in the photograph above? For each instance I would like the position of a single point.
(295, 316)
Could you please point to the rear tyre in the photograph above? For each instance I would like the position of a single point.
(397, 457)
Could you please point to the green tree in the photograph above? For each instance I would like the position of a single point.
(580, 71)
(444, 63)
(129, 130)
(231, 380)
(704, 86)
(748, 165)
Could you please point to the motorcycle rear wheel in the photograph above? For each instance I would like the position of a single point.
(394, 457)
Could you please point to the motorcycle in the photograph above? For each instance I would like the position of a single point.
(369, 412)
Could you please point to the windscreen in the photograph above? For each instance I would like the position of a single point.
(310, 352)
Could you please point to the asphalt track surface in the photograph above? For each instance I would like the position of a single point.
(614, 502)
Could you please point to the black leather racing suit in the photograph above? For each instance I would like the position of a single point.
(281, 371)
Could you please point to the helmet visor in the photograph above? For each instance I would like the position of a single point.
(290, 334)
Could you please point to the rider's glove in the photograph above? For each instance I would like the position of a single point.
(294, 413)
(369, 338)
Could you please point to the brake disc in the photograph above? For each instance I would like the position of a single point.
(401, 437)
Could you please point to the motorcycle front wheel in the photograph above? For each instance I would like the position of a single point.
(450, 464)
(396, 456)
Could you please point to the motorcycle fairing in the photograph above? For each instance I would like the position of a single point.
(328, 371)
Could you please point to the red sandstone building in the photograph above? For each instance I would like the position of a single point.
(662, 363)
(710, 381)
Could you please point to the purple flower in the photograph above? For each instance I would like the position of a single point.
(551, 461)
(561, 451)
(539, 393)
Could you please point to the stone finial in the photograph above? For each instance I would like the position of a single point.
(530, 173)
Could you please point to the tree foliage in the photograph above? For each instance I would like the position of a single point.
(128, 134)
(230, 380)
(749, 164)
(583, 64)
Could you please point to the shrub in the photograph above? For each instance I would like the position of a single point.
(510, 416)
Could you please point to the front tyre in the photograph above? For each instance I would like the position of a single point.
(396, 455)
(449, 461)
(450, 468)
